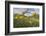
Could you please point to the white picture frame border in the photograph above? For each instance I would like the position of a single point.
(28, 28)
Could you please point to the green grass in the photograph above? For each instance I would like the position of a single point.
(25, 21)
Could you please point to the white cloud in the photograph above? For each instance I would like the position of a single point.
(21, 10)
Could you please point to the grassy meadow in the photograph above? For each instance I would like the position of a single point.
(24, 21)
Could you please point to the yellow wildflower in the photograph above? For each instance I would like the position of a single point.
(21, 17)
(16, 17)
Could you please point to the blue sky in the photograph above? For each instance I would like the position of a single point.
(21, 10)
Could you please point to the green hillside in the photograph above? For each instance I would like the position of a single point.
(24, 21)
